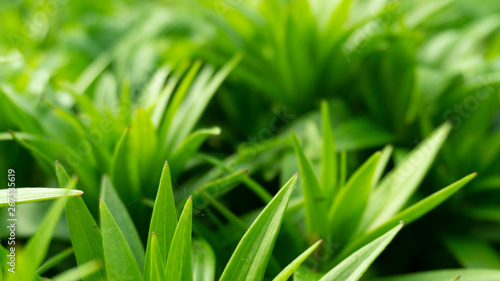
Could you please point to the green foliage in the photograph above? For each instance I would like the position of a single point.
(121, 138)
(363, 209)
(249, 259)
(30, 194)
(115, 89)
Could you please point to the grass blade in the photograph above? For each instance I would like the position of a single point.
(119, 261)
(329, 173)
(35, 194)
(189, 147)
(124, 170)
(352, 268)
(292, 267)
(123, 219)
(85, 235)
(347, 210)
(382, 164)
(59, 257)
(163, 220)
(314, 199)
(38, 246)
(79, 272)
(157, 265)
(252, 254)
(389, 197)
(473, 252)
(179, 262)
(203, 261)
(410, 214)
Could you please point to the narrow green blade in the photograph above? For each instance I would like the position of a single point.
(34, 194)
(122, 218)
(163, 220)
(85, 235)
(349, 205)
(249, 260)
(78, 273)
(54, 260)
(409, 215)
(292, 267)
(329, 172)
(352, 268)
(472, 252)
(119, 261)
(38, 245)
(179, 262)
(203, 261)
(314, 199)
(397, 187)
(124, 168)
(189, 147)
(157, 271)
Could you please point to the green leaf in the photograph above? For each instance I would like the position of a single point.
(397, 187)
(179, 96)
(124, 168)
(161, 104)
(448, 275)
(145, 140)
(352, 268)
(89, 75)
(306, 274)
(249, 260)
(85, 235)
(314, 199)
(409, 214)
(292, 267)
(189, 147)
(122, 218)
(78, 273)
(54, 260)
(472, 252)
(382, 164)
(38, 245)
(226, 213)
(329, 172)
(157, 271)
(119, 261)
(179, 262)
(217, 188)
(360, 133)
(195, 102)
(163, 220)
(35, 194)
(203, 261)
(347, 210)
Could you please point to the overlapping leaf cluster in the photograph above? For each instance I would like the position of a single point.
(115, 89)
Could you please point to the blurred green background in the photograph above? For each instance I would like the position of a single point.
(390, 71)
